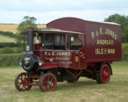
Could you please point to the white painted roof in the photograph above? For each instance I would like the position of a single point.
(111, 23)
(48, 30)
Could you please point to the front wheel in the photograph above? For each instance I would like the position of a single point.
(23, 82)
(48, 82)
(103, 74)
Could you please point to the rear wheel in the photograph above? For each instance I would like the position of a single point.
(104, 73)
(48, 82)
(23, 82)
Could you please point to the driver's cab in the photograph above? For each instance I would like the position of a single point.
(54, 39)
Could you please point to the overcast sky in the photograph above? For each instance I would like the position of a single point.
(12, 11)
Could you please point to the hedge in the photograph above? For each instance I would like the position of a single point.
(8, 50)
(125, 57)
(9, 34)
(3, 45)
(125, 51)
(10, 59)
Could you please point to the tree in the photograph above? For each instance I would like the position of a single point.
(123, 21)
(27, 23)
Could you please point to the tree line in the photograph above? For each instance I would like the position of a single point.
(123, 21)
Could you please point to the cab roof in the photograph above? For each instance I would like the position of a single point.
(53, 30)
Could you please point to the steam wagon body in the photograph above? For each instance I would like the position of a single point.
(68, 49)
(102, 41)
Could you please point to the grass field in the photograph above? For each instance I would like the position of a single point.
(13, 27)
(83, 91)
(8, 27)
(6, 39)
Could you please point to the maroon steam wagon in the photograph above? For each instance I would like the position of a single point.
(68, 49)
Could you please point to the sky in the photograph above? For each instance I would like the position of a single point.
(13, 11)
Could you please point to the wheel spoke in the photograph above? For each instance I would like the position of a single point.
(22, 82)
(48, 82)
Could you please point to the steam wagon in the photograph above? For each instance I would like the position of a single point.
(67, 49)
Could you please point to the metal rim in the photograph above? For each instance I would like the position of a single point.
(48, 82)
(23, 82)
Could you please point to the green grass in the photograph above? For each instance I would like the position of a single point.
(83, 91)
(7, 39)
